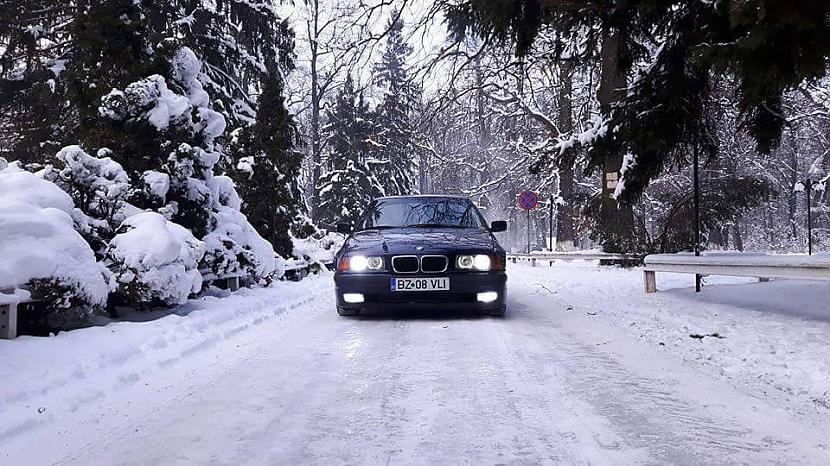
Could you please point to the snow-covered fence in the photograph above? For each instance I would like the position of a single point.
(9, 318)
(759, 266)
(604, 258)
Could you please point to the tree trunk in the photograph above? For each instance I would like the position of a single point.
(739, 240)
(316, 158)
(616, 222)
(565, 211)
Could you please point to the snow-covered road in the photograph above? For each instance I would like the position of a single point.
(555, 381)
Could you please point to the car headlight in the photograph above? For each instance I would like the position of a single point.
(360, 263)
(476, 262)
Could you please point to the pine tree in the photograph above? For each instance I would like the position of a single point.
(236, 59)
(35, 38)
(394, 155)
(268, 166)
(348, 183)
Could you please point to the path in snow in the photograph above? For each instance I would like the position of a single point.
(543, 385)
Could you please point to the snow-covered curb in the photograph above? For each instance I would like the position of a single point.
(46, 377)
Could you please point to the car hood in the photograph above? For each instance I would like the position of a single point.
(419, 241)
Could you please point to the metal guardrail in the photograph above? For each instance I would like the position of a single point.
(9, 320)
(761, 266)
(603, 257)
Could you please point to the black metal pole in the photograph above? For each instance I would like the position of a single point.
(809, 189)
(550, 221)
(697, 215)
(528, 231)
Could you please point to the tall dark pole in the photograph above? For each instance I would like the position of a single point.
(550, 225)
(697, 215)
(809, 188)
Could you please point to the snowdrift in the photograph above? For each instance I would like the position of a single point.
(40, 250)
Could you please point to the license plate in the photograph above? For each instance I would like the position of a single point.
(420, 284)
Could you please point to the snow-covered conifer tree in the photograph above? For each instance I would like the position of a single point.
(348, 183)
(393, 159)
(268, 165)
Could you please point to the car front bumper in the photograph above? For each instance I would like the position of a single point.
(462, 295)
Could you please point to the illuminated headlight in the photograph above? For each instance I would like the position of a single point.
(477, 262)
(353, 298)
(487, 297)
(361, 263)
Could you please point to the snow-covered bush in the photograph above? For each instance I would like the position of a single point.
(41, 254)
(319, 249)
(184, 188)
(99, 186)
(234, 248)
(155, 261)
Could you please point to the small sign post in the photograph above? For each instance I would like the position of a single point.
(528, 201)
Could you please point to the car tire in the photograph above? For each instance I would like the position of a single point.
(497, 312)
(347, 312)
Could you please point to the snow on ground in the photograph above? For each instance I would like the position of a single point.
(49, 378)
(575, 373)
(771, 338)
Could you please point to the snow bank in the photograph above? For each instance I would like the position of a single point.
(770, 339)
(40, 246)
(155, 259)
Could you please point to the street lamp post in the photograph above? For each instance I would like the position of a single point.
(697, 214)
(808, 186)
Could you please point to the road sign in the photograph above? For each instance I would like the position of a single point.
(528, 200)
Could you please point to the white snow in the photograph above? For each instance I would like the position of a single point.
(158, 256)
(320, 250)
(157, 183)
(39, 241)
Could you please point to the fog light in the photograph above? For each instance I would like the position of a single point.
(487, 297)
(353, 298)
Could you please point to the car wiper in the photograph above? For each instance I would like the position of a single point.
(432, 225)
(379, 227)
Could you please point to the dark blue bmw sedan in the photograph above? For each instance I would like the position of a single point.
(422, 252)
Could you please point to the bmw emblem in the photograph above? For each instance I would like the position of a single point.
(419, 248)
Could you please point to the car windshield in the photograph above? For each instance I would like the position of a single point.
(442, 212)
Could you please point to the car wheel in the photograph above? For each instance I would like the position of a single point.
(347, 312)
(497, 312)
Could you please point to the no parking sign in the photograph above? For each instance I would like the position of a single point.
(528, 200)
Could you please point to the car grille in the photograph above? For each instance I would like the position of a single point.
(433, 264)
(405, 264)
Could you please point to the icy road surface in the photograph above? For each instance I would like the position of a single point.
(555, 381)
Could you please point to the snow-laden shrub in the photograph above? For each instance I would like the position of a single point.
(153, 100)
(234, 248)
(155, 261)
(99, 186)
(177, 113)
(318, 248)
(41, 254)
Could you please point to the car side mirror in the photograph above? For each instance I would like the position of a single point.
(498, 225)
(344, 228)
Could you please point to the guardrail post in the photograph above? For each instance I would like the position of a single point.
(233, 283)
(533, 262)
(650, 281)
(8, 321)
